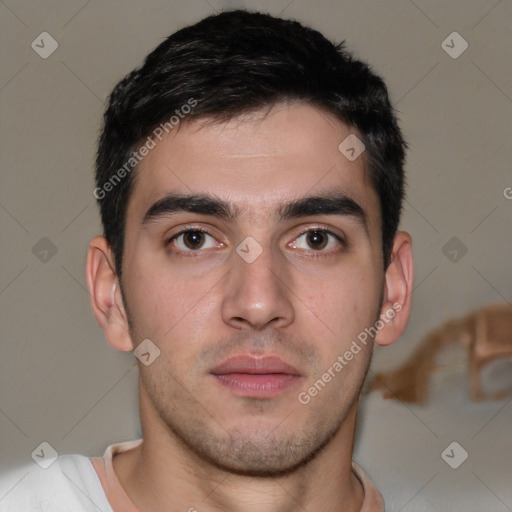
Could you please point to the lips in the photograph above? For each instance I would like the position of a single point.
(255, 366)
(256, 377)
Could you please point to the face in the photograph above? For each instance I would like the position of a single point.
(251, 292)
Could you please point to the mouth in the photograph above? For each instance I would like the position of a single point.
(256, 377)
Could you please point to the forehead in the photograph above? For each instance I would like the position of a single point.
(255, 161)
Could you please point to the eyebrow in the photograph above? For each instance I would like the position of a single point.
(327, 203)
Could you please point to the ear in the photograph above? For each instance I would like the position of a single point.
(105, 293)
(396, 306)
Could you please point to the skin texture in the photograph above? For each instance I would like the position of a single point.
(204, 446)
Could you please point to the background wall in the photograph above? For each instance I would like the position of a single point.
(60, 381)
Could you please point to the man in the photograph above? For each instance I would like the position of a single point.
(250, 181)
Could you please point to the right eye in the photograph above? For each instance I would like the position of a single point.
(192, 240)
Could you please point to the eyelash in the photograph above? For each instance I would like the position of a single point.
(315, 254)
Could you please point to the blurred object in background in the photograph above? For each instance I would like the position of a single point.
(485, 336)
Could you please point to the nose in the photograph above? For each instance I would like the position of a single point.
(256, 294)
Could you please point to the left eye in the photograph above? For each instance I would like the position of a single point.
(316, 239)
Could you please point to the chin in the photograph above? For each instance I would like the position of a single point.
(258, 452)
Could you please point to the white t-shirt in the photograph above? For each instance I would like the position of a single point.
(76, 483)
(70, 484)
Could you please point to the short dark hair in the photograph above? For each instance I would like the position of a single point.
(232, 63)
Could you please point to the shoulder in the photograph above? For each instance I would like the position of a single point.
(373, 500)
(69, 483)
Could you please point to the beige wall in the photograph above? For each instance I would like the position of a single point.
(60, 381)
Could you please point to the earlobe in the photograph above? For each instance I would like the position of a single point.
(106, 300)
(396, 306)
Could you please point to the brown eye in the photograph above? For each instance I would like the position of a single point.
(322, 241)
(193, 239)
(317, 239)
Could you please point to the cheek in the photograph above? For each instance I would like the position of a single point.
(164, 290)
(173, 310)
(347, 303)
(156, 301)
